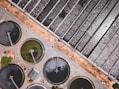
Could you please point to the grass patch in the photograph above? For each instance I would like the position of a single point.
(6, 60)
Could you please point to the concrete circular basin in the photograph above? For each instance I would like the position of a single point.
(32, 50)
(10, 76)
(10, 33)
(81, 83)
(56, 70)
(35, 86)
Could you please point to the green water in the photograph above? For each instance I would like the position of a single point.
(81, 83)
(27, 46)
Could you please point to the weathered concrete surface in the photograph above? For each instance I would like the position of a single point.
(43, 33)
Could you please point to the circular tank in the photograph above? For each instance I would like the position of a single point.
(81, 83)
(32, 51)
(56, 70)
(11, 74)
(35, 86)
(10, 33)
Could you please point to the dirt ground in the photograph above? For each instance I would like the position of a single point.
(59, 45)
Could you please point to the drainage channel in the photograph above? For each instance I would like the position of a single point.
(88, 26)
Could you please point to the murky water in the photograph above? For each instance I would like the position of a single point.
(81, 83)
(11, 70)
(14, 30)
(37, 50)
(57, 70)
(35, 87)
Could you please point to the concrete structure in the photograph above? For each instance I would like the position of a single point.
(90, 27)
(75, 70)
(33, 74)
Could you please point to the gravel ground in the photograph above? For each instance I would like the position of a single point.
(107, 51)
(106, 39)
(92, 17)
(70, 19)
(62, 15)
(46, 10)
(79, 21)
(39, 8)
(23, 3)
(101, 30)
(54, 13)
(15, 1)
(31, 5)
